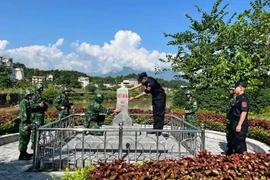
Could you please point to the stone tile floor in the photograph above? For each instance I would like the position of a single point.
(13, 169)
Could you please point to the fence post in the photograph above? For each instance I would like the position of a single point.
(203, 136)
(120, 144)
(36, 144)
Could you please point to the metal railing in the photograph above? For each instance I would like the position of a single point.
(61, 144)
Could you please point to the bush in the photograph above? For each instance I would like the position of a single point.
(211, 99)
(203, 166)
(79, 174)
(216, 99)
(50, 93)
(259, 134)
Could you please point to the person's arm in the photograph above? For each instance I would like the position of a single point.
(242, 118)
(22, 111)
(105, 110)
(194, 107)
(243, 115)
(35, 105)
(56, 103)
(135, 87)
(138, 96)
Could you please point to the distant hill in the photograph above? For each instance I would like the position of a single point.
(126, 71)
(70, 78)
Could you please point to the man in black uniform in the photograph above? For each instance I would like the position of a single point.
(240, 114)
(158, 98)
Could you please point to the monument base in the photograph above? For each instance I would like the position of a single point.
(115, 131)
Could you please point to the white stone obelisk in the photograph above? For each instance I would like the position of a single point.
(122, 102)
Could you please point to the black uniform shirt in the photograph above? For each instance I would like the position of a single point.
(241, 104)
(153, 87)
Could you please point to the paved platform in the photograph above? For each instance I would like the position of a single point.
(13, 169)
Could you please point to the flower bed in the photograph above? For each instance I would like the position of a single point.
(203, 166)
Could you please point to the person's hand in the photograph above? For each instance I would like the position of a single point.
(118, 110)
(238, 128)
(131, 98)
(25, 128)
(41, 104)
(63, 107)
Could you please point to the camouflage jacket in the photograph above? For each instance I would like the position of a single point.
(36, 100)
(230, 107)
(191, 105)
(94, 109)
(61, 100)
(25, 111)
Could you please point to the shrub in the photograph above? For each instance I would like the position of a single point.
(79, 174)
(203, 166)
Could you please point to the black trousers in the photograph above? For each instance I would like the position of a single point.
(240, 145)
(159, 105)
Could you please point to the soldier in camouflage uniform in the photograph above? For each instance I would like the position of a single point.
(191, 106)
(39, 107)
(92, 118)
(229, 121)
(62, 104)
(25, 124)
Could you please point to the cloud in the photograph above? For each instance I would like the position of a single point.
(3, 44)
(123, 51)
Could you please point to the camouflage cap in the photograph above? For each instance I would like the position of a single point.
(38, 86)
(99, 98)
(66, 89)
(188, 92)
(28, 92)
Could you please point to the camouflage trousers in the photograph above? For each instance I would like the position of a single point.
(37, 120)
(93, 124)
(229, 133)
(24, 136)
(64, 113)
(190, 118)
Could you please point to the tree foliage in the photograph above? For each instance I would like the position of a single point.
(216, 52)
(91, 88)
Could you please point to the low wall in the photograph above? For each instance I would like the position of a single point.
(5, 139)
(252, 145)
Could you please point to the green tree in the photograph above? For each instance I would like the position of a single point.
(23, 84)
(50, 93)
(215, 52)
(91, 88)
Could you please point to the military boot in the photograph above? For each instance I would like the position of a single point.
(24, 156)
(229, 152)
(30, 155)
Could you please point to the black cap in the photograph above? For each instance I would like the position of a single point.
(242, 84)
(141, 76)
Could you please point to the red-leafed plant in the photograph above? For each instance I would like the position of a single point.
(203, 166)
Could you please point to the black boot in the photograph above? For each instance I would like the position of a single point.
(30, 155)
(23, 156)
(229, 152)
